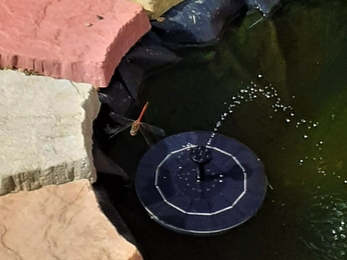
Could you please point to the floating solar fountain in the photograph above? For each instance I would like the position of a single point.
(200, 182)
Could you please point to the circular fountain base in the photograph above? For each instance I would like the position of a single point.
(168, 185)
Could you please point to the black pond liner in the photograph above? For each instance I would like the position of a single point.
(194, 188)
(200, 22)
(190, 23)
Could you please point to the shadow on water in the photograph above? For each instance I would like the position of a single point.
(302, 52)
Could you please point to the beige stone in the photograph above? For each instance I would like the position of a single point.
(156, 8)
(59, 222)
(45, 131)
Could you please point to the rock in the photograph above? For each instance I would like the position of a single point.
(59, 222)
(45, 131)
(156, 8)
(64, 39)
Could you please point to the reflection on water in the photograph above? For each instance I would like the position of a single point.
(327, 217)
(302, 53)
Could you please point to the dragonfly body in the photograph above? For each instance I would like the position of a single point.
(135, 126)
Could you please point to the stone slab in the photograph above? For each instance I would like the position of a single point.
(82, 41)
(155, 8)
(59, 222)
(45, 131)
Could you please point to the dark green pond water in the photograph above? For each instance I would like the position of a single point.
(302, 54)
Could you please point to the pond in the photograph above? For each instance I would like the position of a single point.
(285, 79)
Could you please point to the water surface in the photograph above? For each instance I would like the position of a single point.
(301, 53)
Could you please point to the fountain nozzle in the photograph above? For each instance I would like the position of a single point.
(201, 155)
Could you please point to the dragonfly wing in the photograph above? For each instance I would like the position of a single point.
(120, 119)
(114, 131)
(147, 136)
(153, 129)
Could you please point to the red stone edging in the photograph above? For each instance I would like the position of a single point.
(82, 41)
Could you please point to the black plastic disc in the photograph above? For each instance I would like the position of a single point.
(232, 190)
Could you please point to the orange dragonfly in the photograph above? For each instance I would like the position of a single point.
(135, 126)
